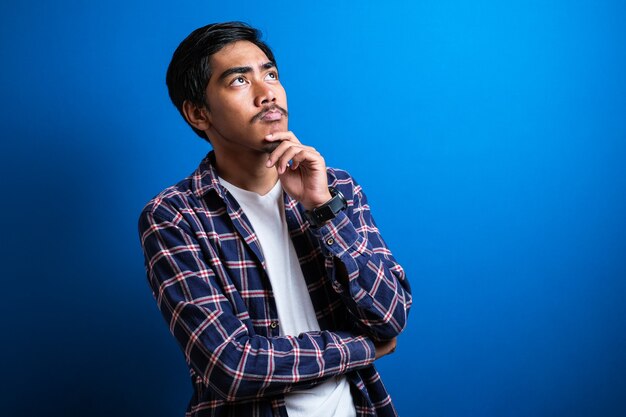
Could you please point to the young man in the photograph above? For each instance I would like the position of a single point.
(266, 264)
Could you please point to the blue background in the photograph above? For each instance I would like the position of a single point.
(490, 137)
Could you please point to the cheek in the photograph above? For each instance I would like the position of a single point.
(230, 111)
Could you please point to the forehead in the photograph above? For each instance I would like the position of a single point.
(237, 54)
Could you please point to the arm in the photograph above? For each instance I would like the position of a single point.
(359, 264)
(363, 270)
(235, 363)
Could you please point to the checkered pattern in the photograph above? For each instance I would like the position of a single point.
(207, 273)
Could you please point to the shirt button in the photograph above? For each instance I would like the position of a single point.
(330, 241)
(274, 324)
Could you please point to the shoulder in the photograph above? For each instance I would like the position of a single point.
(343, 181)
(195, 192)
(171, 202)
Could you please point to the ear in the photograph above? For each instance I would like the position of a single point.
(198, 117)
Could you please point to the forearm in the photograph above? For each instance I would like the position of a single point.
(235, 360)
(365, 274)
(238, 365)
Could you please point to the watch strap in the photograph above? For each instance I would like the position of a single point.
(327, 211)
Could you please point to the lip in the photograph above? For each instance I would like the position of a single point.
(272, 116)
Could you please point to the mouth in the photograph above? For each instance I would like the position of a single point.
(271, 114)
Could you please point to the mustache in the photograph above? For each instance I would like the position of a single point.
(266, 110)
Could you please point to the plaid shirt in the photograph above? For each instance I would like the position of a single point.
(207, 273)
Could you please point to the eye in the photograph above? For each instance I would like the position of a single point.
(238, 81)
(273, 76)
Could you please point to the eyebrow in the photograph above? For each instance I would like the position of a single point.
(245, 70)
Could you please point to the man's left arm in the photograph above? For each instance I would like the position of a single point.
(362, 269)
(361, 266)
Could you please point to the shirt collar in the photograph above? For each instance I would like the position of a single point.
(205, 178)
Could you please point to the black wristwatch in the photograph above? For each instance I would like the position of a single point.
(327, 211)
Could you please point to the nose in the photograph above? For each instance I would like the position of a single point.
(264, 95)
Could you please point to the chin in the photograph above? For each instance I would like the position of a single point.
(279, 125)
(268, 147)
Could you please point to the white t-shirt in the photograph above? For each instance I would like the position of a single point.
(293, 302)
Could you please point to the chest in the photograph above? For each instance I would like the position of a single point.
(231, 245)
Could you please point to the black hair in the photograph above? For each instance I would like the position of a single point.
(189, 71)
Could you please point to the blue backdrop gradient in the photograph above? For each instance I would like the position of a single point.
(490, 137)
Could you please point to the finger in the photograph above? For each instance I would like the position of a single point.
(304, 154)
(288, 135)
(279, 151)
(284, 159)
(277, 154)
(307, 155)
(394, 344)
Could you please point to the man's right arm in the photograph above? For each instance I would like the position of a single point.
(235, 364)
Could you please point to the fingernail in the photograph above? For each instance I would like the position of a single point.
(268, 163)
(269, 136)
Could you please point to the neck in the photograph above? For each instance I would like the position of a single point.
(246, 170)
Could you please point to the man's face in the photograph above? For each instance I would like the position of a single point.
(246, 100)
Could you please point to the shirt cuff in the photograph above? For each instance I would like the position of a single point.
(339, 238)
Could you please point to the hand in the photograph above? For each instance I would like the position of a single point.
(305, 179)
(385, 348)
